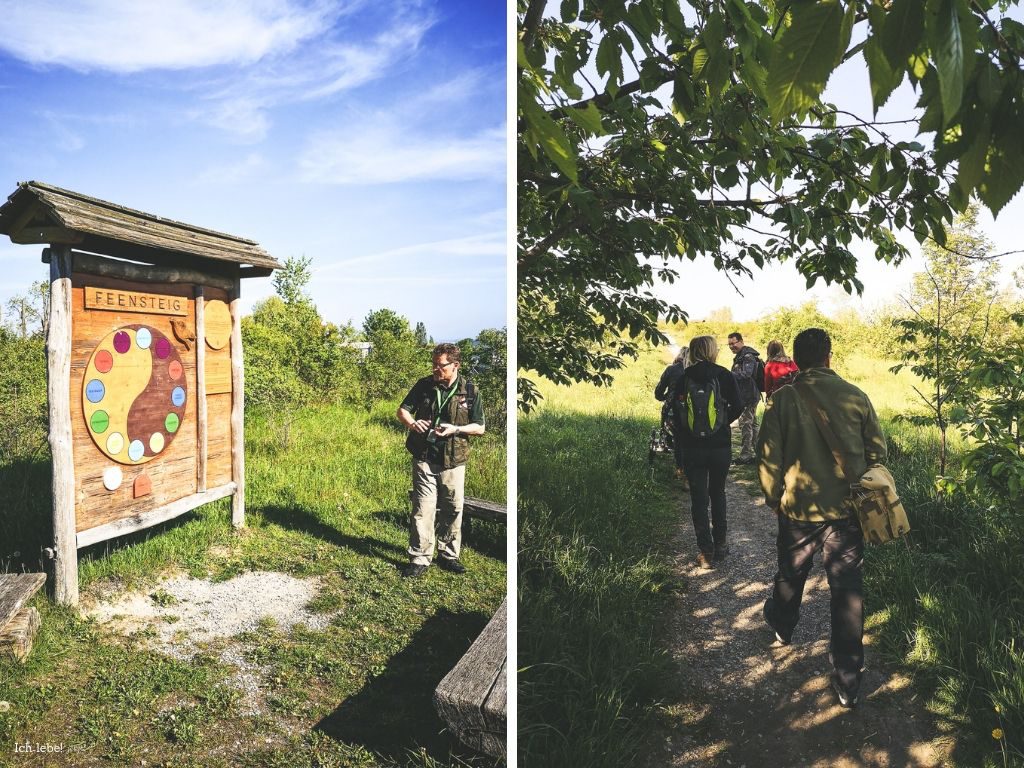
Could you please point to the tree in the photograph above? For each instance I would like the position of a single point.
(30, 312)
(385, 321)
(704, 136)
(421, 335)
(951, 303)
(291, 280)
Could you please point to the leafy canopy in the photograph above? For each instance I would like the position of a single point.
(651, 131)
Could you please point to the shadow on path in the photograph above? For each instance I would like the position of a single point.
(743, 699)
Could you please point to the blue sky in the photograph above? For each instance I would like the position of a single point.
(368, 136)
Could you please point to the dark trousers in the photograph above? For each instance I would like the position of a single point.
(842, 546)
(706, 472)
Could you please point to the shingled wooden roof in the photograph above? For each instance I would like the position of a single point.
(40, 213)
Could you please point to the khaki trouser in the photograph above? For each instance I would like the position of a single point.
(437, 492)
(748, 430)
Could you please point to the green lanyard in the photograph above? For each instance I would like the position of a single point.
(442, 403)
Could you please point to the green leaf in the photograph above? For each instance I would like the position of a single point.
(884, 79)
(945, 38)
(971, 165)
(609, 60)
(588, 118)
(902, 34)
(804, 58)
(570, 10)
(548, 134)
(1004, 171)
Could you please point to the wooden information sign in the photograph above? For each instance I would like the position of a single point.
(144, 365)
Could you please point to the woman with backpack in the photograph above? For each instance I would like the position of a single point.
(664, 392)
(707, 401)
(779, 370)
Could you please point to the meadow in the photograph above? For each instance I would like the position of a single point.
(595, 577)
(331, 504)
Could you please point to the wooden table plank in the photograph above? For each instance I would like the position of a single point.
(15, 590)
(481, 508)
(463, 695)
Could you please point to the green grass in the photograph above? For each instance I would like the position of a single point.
(331, 504)
(594, 573)
(947, 605)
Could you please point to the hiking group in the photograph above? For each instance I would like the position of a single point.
(802, 477)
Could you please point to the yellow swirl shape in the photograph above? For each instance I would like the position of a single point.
(111, 392)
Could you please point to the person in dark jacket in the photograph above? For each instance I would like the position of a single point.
(441, 412)
(745, 367)
(706, 459)
(665, 389)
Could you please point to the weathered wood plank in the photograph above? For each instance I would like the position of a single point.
(462, 696)
(474, 507)
(58, 393)
(201, 421)
(237, 409)
(15, 590)
(17, 637)
(150, 518)
(485, 510)
(92, 264)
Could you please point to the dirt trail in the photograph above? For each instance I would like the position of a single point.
(755, 703)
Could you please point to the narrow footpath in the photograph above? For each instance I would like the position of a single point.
(749, 702)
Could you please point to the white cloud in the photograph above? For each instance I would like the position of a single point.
(127, 36)
(484, 244)
(233, 173)
(239, 105)
(383, 152)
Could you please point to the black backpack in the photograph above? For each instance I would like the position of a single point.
(759, 375)
(699, 407)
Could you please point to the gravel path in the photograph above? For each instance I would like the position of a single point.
(752, 702)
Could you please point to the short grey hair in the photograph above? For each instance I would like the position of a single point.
(683, 356)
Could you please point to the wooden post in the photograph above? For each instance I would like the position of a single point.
(237, 409)
(201, 389)
(58, 392)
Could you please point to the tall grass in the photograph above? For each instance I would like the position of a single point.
(593, 570)
(950, 603)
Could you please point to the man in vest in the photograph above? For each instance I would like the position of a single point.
(745, 368)
(804, 485)
(441, 412)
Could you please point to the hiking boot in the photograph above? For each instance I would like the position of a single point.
(451, 565)
(704, 561)
(721, 551)
(846, 699)
(769, 617)
(414, 571)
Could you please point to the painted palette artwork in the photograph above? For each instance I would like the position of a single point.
(134, 394)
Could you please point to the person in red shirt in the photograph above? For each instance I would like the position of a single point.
(779, 370)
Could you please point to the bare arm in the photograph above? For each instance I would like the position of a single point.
(410, 421)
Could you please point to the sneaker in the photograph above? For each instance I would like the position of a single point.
(721, 551)
(414, 571)
(846, 699)
(704, 561)
(769, 617)
(453, 566)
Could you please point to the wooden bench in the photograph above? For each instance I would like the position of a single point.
(18, 624)
(471, 698)
(478, 508)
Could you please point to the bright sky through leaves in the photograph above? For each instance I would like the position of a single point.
(367, 136)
